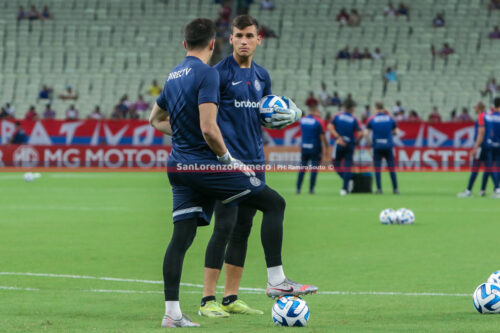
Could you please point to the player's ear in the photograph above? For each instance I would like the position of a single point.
(184, 44)
(212, 45)
(231, 39)
(259, 38)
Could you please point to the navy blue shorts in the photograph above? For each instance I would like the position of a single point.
(195, 192)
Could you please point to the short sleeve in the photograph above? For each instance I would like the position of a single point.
(480, 120)
(162, 100)
(209, 87)
(267, 85)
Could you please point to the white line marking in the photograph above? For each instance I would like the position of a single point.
(243, 289)
(16, 288)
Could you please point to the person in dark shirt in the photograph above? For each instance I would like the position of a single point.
(19, 136)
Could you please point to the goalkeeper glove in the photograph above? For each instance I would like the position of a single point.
(236, 164)
(282, 117)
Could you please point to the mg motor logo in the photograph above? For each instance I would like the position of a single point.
(25, 156)
(246, 104)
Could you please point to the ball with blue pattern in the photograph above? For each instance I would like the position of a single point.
(486, 298)
(388, 216)
(266, 108)
(290, 311)
(494, 278)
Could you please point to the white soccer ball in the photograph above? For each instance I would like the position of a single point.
(405, 216)
(290, 311)
(486, 298)
(29, 177)
(266, 108)
(388, 216)
(494, 278)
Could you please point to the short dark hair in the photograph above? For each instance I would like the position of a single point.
(198, 33)
(243, 21)
(349, 104)
(496, 102)
(379, 106)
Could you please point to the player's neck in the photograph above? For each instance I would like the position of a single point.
(202, 55)
(243, 62)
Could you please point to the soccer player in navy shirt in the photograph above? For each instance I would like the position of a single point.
(242, 84)
(492, 129)
(345, 128)
(313, 146)
(479, 154)
(383, 127)
(201, 169)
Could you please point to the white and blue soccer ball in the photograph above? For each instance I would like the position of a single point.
(290, 311)
(388, 216)
(405, 216)
(29, 177)
(266, 108)
(486, 298)
(494, 278)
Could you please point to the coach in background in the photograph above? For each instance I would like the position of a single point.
(379, 131)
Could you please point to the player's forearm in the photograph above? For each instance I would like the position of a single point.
(480, 138)
(163, 126)
(213, 137)
(159, 119)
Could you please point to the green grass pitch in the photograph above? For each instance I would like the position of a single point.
(118, 225)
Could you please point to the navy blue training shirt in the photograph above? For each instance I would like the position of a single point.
(346, 126)
(311, 128)
(492, 127)
(238, 118)
(188, 85)
(382, 126)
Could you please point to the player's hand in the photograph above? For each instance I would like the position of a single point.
(283, 117)
(341, 141)
(473, 153)
(236, 164)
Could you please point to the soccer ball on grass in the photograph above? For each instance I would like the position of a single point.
(290, 311)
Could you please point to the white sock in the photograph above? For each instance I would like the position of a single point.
(173, 310)
(497, 191)
(275, 275)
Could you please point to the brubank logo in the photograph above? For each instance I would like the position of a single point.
(246, 104)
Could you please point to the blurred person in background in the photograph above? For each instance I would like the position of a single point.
(479, 154)
(8, 112)
(379, 131)
(345, 128)
(354, 19)
(96, 114)
(343, 16)
(71, 113)
(31, 114)
(21, 14)
(335, 100)
(33, 14)
(434, 116)
(323, 96)
(154, 89)
(366, 114)
(46, 14)
(313, 146)
(140, 106)
(311, 101)
(438, 21)
(413, 117)
(464, 116)
(453, 116)
(19, 136)
(49, 113)
(403, 10)
(68, 94)
(45, 93)
(446, 50)
(267, 5)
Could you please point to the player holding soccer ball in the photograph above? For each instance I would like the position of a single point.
(383, 127)
(187, 110)
(242, 85)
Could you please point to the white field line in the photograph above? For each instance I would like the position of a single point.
(243, 289)
(17, 288)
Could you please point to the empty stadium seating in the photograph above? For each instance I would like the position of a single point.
(107, 48)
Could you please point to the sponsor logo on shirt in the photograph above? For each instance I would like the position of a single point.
(235, 83)
(246, 104)
(178, 74)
